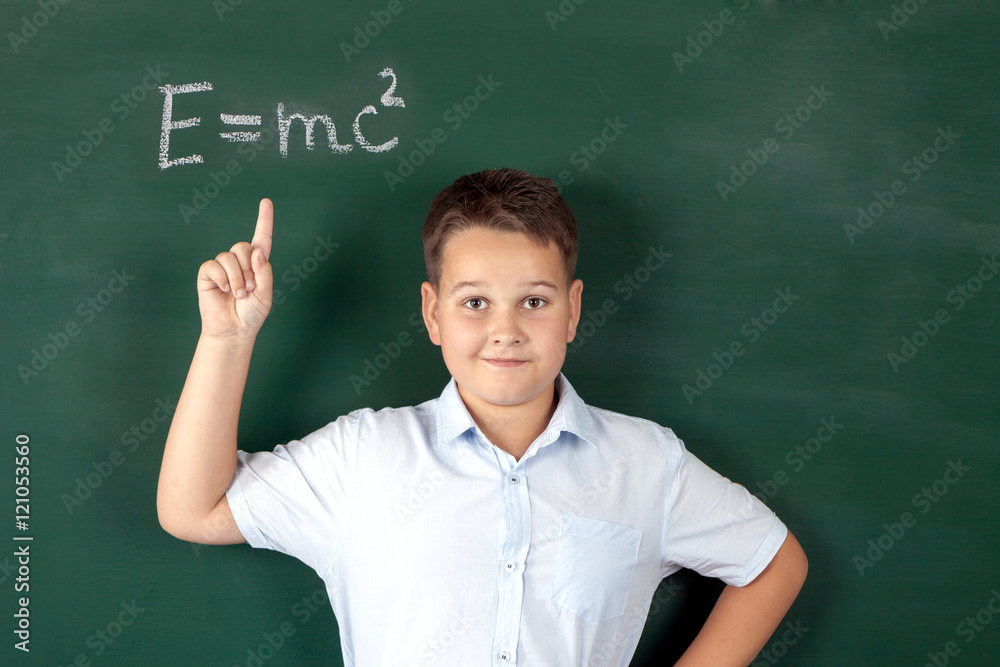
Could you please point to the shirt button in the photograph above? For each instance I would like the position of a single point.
(514, 479)
(510, 566)
(504, 656)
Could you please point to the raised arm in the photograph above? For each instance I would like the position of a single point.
(199, 459)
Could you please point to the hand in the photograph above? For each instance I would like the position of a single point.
(234, 289)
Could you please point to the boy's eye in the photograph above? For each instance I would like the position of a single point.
(534, 303)
(475, 303)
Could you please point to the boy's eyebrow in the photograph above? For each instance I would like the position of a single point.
(478, 283)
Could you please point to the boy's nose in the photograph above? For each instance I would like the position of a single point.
(506, 330)
(503, 338)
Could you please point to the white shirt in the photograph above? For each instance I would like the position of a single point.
(437, 547)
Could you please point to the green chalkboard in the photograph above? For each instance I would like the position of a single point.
(820, 177)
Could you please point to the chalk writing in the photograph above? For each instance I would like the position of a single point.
(284, 122)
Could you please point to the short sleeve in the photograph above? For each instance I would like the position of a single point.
(716, 527)
(296, 499)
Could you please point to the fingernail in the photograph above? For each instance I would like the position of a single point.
(240, 293)
(225, 288)
(250, 285)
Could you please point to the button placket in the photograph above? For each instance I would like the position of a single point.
(516, 519)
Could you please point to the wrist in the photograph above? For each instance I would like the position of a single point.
(227, 345)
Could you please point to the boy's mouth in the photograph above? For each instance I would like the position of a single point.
(505, 363)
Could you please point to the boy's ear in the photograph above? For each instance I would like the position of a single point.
(428, 298)
(575, 305)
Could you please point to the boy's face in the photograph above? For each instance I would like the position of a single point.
(502, 315)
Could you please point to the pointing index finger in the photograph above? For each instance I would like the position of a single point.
(265, 227)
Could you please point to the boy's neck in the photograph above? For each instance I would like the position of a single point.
(512, 428)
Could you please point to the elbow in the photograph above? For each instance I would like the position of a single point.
(180, 529)
(163, 514)
(802, 571)
(210, 527)
(168, 521)
(172, 513)
(173, 521)
(797, 562)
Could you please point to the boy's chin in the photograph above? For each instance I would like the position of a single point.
(511, 393)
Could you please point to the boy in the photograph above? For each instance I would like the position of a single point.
(546, 524)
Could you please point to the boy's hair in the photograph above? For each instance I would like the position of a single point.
(505, 200)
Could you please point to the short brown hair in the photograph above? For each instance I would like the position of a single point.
(505, 200)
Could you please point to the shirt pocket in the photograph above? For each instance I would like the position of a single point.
(594, 565)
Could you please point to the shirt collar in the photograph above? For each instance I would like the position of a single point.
(572, 415)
